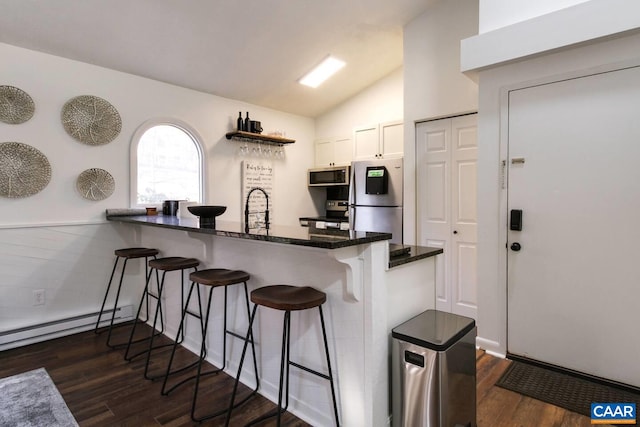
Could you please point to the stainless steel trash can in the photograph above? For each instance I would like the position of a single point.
(434, 371)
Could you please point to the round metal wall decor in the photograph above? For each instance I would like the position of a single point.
(16, 106)
(91, 120)
(24, 170)
(95, 184)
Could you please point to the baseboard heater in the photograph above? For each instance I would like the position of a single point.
(62, 327)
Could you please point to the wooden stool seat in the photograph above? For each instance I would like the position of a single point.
(130, 253)
(288, 298)
(173, 263)
(219, 277)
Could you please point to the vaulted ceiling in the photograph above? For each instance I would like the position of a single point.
(251, 50)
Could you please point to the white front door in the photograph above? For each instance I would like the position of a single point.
(574, 284)
(447, 207)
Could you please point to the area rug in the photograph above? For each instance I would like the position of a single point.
(566, 391)
(32, 399)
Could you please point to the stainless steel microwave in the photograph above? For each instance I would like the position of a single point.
(325, 177)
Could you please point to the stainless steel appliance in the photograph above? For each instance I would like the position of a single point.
(326, 177)
(375, 199)
(337, 208)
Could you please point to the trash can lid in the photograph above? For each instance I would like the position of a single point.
(434, 329)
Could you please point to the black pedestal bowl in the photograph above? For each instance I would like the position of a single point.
(207, 214)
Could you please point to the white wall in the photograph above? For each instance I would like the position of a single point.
(32, 254)
(500, 13)
(380, 102)
(565, 28)
(494, 84)
(434, 86)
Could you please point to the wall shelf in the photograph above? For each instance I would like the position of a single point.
(258, 138)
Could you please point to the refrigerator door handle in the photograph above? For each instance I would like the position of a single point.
(352, 186)
(352, 217)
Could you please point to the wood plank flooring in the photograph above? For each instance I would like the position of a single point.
(101, 389)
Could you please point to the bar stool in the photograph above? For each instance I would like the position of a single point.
(213, 278)
(286, 298)
(165, 265)
(126, 254)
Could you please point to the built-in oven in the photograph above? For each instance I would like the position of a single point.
(326, 177)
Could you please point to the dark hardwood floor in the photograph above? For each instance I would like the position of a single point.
(101, 389)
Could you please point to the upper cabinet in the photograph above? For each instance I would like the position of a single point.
(384, 140)
(333, 151)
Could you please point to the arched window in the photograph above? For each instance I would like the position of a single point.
(166, 163)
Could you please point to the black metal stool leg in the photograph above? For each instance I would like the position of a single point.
(283, 387)
(284, 364)
(153, 330)
(330, 375)
(143, 300)
(112, 324)
(203, 350)
(253, 347)
(227, 332)
(106, 294)
(244, 353)
(115, 305)
(177, 342)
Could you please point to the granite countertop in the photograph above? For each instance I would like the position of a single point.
(291, 235)
(414, 253)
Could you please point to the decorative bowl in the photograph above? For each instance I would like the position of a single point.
(207, 214)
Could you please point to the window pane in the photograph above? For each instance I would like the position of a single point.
(168, 166)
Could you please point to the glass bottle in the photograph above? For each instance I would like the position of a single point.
(247, 123)
(240, 123)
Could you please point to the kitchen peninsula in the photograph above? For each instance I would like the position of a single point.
(365, 300)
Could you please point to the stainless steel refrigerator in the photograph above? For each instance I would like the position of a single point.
(375, 197)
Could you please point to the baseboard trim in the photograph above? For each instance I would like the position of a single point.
(62, 327)
(491, 347)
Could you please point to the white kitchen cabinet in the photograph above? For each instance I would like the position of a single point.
(333, 151)
(379, 141)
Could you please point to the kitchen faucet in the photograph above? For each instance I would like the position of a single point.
(246, 209)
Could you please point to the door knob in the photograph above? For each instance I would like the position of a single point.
(515, 246)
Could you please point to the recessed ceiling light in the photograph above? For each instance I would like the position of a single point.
(322, 72)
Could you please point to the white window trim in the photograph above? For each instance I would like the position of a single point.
(133, 154)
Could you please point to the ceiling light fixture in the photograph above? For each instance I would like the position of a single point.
(322, 72)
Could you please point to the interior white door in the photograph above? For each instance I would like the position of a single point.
(447, 199)
(464, 215)
(574, 285)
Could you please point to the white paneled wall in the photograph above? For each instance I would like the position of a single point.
(71, 264)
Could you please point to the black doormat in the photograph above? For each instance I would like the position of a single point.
(567, 391)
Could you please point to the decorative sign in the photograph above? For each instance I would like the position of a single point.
(256, 176)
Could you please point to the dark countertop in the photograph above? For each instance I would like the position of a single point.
(415, 253)
(291, 235)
